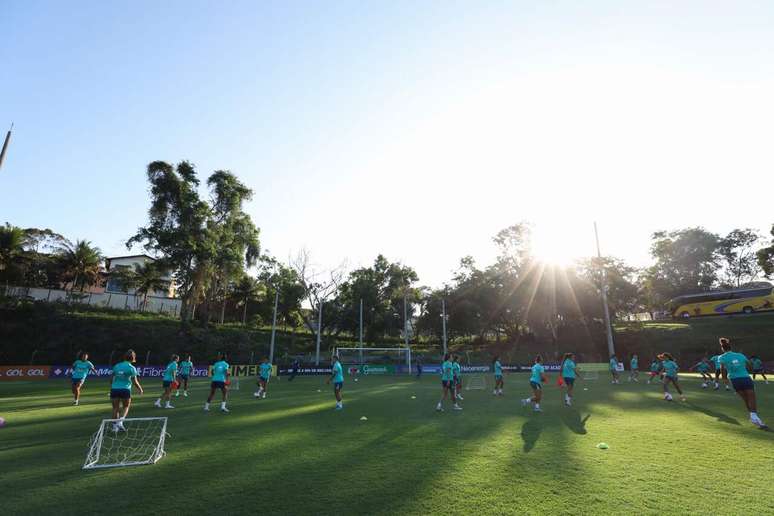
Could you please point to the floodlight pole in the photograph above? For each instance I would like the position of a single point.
(443, 322)
(608, 326)
(5, 145)
(273, 327)
(405, 321)
(361, 331)
(319, 333)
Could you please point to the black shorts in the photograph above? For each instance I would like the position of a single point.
(569, 381)
(758, 371)
(120, 394)
(217, 385)
(166, 383)
(743, 384)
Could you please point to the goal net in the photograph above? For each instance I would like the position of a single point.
(371, 361)
(130, 442)
(475, 382)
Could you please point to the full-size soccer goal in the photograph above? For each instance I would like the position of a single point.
(127, 442)
(368, 361)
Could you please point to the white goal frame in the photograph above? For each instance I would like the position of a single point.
(407, 351)
(95, 446)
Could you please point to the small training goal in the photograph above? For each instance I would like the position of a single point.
(475, 382)
(127, 442)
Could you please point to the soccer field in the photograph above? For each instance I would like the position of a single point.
(293, 454)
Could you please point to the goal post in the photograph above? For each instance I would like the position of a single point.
(127, 442)
(375, 360)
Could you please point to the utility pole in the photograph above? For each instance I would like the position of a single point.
(405, 321)
(5, 145)
(273, 327)
(608, 326)
(319, 334)
(443, 322)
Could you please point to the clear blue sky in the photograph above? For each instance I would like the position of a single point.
(415, 129)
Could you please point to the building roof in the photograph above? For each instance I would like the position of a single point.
(130, 256)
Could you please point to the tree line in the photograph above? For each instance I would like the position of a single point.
(212, 248)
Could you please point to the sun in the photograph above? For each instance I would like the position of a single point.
(552, 247)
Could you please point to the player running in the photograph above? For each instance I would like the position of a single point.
(219, 381)
(715, 359)
(170, 377)
(757, 368)
(634, 369)
(536, 383)
(186, 369)
(447, 377)
(703, 368)
(264, 373)
(670, 376)
(734, 366)
(614, 369)
(498, 377)
(569, 370)
(457, 371)
(655, 369)
(81, 369)
(124, 375)
(337, 376)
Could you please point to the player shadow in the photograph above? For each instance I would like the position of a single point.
(572, 419)
(530, 432)
(719, 416)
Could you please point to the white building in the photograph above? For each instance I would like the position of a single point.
(114, 263)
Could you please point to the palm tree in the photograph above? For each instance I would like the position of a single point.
(12, 241)
(81, 261)
(148, 278)
(246, 290)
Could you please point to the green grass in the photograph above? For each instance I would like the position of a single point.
(292, 453)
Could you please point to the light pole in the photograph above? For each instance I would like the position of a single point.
(608, 326)
(273, 327)
(319, 333)
(443, 322)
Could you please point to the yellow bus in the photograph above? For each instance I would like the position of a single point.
(747, 301)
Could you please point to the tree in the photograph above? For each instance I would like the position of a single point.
(206, 245)
(686, 263)
(766, 257)
(738, 253)
(319, 286)
(12, 242)
(623, 292)
(148, 277)
(80, 263)
(246, 290)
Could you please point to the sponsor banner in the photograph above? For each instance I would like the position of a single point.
(371, 369)
(103, 371)
(239, 370)
(306, 371)
(35, 372)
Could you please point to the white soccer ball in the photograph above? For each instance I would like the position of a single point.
(668, 397)
(256, 394)
(355, 379)
(2, 422)
(704, 386)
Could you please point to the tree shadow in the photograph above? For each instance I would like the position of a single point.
(530, 432)
(572, 419)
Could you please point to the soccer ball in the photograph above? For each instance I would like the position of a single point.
(355, 379)
(2, 422)
(668, 397)
(704, 385)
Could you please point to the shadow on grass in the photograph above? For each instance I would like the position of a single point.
(719, 416)
(530, 432)
(572, 419)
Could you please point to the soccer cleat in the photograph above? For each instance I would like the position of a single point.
(177, 394)
(168, 405)
(537, 409)
(439, 408)
(75, 403)
(460, 397)
(224, 409)
(206, 408)
(457, 407)
(524, 403)
(157, 404)
(264, 396)
(185, 394)
(494, 392)
(339, 407)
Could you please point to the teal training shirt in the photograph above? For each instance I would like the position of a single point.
(219, 370)
(186, 366)
(568, 369)
(123, 372)
(170, 372)
(702, 367)
(537, 371)
(338, 373)
(670, 368)
(613, 364)
(756, 363)
(447, 371)
(735, 363)
(498, 368)
(634, 364)
(715, 359)
(265, 371)
(81, 369)
(456, 369)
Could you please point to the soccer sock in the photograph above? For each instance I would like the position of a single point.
(206, 404)
(537, 405)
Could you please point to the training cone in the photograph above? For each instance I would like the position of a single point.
(363, 418)
(603, 446)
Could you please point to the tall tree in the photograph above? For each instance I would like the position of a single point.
(766, 257)
(12, 242)
(245, 291)
(739, 260)
(686, 263)
(148, 277)
(80, 263)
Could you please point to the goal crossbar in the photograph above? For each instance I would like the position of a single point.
(362, 351)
